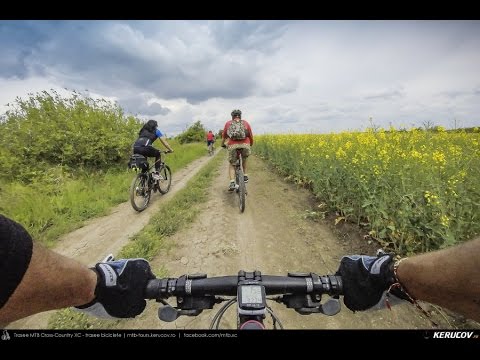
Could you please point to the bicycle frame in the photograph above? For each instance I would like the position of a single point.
(143, 184)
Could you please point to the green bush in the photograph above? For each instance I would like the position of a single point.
(78, 132)
(195, 133)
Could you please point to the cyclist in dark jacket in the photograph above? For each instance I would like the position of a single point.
(146, 136)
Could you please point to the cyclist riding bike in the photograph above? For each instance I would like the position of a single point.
(210, 140)
(143, 145)
(34, 279)
(237, 134)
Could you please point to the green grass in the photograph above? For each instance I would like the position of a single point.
(171, 217)
(184, 154)
(58, 202)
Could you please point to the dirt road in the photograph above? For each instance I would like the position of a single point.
(108, 234)
(274, 236)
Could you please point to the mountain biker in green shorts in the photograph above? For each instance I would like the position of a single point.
(237, 134)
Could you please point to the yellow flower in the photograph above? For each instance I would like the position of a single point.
(439, 158)
(340, 153)
(444, 220)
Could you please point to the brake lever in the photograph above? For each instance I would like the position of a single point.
(168, 313)
(307, 305)
(332, 306)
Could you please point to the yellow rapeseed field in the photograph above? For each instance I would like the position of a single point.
(413, 190)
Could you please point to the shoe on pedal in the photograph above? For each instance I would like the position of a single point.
(245, 178)
(231, 187)
(156, 175)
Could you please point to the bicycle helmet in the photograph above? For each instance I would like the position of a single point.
(151, 124)
(236, 112)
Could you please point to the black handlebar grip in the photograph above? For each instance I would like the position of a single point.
(153, 290)
(336, 284)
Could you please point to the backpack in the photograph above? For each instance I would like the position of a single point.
(138, 161)
(237, 130)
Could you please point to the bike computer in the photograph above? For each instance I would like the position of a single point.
(251, 298)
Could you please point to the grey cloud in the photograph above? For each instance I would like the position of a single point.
(314, 65)
(155, 108)
(140, 105)
(275, 85)
(12, 63)
(455, 93)
(260, 36)
(319, 107)
(170, 59)
(218, 80)
(25, 40)
(110, 55)
(386, 95)
(172, 129)
(211, 113)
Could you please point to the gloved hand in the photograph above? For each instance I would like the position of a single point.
(365, 278)
(120, 288)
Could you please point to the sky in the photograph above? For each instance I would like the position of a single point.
(315, 76)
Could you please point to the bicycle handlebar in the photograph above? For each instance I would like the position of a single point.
(195, 293)
(199, 285)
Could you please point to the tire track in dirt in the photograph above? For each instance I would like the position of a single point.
(108, 234)
(273, 236)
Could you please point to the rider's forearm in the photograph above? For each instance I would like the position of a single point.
(165, 143)
(448, 278)
(52, 281)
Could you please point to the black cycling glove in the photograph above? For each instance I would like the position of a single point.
(120, 289)
(365, 278)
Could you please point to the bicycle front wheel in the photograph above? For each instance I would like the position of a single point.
(140, 192)
(241, 191)
(165, 179)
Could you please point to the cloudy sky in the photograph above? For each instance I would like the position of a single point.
(285, 76)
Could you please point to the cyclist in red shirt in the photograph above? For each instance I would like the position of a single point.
(210, 139)
(237, 134)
